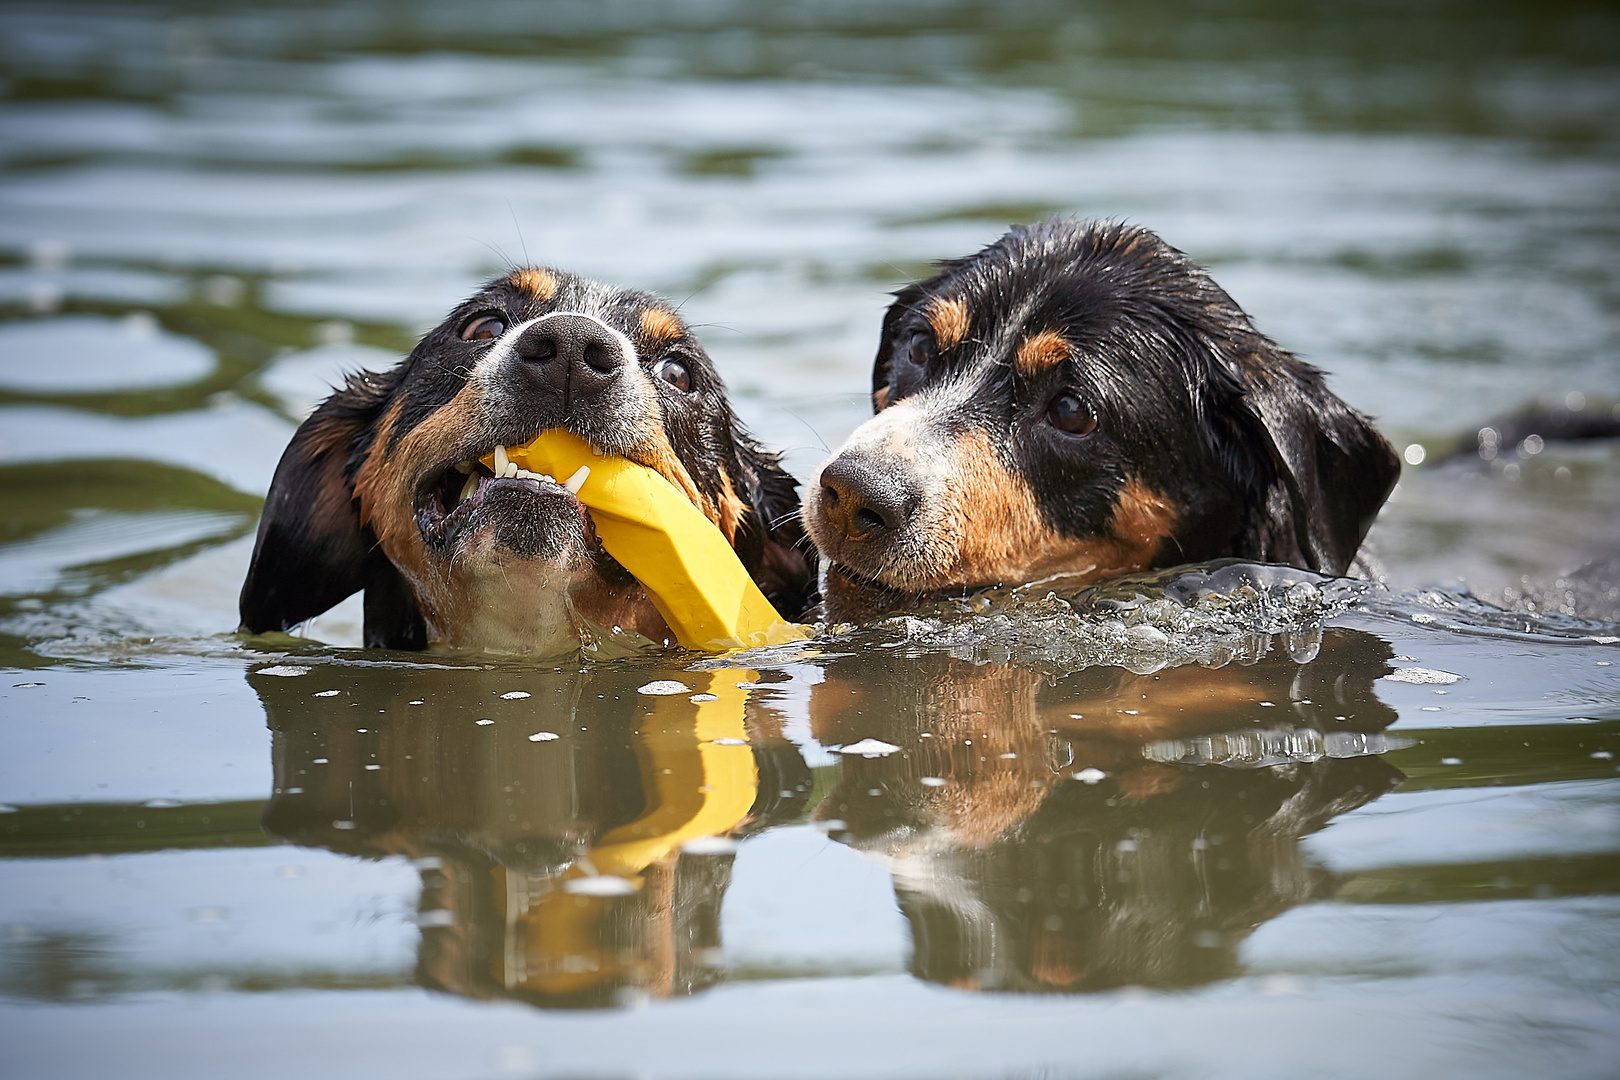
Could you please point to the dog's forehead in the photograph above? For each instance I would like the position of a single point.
(534, 291)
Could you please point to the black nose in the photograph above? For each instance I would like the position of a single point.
(866, 498)
(571, 354)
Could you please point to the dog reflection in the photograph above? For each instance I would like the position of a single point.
(1109, 828)
(571, 842)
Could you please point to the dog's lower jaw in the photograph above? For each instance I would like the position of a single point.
(536, 608)
(848, 598)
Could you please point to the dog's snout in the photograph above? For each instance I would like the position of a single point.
(864, 499)
(572, 352)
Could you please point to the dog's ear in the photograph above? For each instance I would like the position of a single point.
(312, 551)
(771, 541)
(904, 301)
(1323, 470)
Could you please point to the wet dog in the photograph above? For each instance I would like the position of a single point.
(1080, 399)
(381, 488)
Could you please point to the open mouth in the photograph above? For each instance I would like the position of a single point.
(451, 497)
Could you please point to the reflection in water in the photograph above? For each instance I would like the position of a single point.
(549, 828)
(1066, 835)
(1060, 837)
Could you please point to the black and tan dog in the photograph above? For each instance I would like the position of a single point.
(1080, 399)
(381, 488)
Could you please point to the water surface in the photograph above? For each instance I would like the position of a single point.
(1248, 825)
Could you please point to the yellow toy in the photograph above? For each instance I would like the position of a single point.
(688, 569)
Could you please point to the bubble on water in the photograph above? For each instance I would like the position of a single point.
(701, 698)
(544, 736)
(1415, 453)
(344, 824)
(1091, 776)
(932, 781)
(1574, 401)
(867, 748)
(599, 885)
(1420, 676)
(515, 695)
(710, 845)
(1451, 761)
(327, 693)
(728, 741)
(373, 768)
(285, 671)
(664, 688)
(1602, 755)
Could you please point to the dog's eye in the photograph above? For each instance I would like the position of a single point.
(484, 328)
(674, 372)
(1069, 413)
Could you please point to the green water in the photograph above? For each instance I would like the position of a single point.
(1246, 852)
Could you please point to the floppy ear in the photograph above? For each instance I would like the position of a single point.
(904, 300)
(1331, 469)
(311, 551)
(771, 541)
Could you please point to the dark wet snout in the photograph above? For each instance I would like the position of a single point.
(573, 355)
(867, 499)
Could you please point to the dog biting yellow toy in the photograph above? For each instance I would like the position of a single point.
(689, 570)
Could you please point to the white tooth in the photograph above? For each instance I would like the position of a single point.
(511, 470)
(500, 461)
(577, 481)
(464, 467)
(548, 478)
(468, 488)
(525, 474)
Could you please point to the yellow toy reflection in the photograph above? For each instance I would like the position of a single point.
(701, 780)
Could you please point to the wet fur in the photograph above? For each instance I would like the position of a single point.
(346, 513)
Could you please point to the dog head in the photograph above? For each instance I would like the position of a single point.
(1079, 398)
(381, 488)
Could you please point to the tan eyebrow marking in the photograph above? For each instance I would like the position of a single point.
(1041, 352)
(536, 282)
(949, 320)
(659, 326)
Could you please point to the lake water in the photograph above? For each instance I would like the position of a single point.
(1248, 825)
